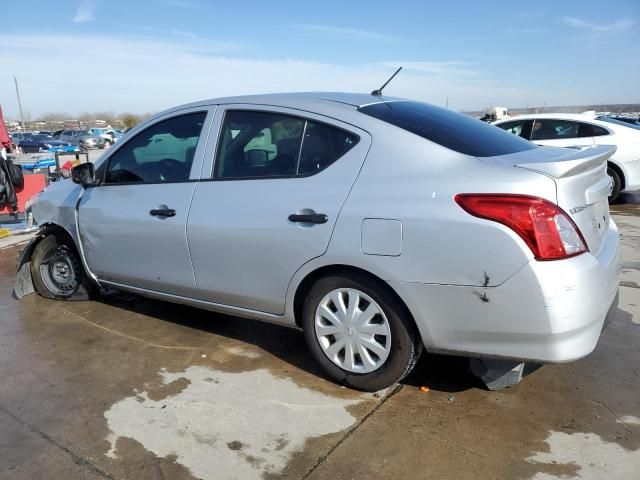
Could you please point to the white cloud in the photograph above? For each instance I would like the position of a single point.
(86, 11)
(448, 68)
(619, 25)
(183, 33)
(147, 75)
(173, 31)
(342, 32)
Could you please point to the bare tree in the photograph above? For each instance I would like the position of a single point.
(129, 120)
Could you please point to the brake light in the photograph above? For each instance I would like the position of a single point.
(545, 227)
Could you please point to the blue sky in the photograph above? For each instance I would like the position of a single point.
(99, 55)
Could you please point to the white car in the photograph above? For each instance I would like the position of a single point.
(585, 129)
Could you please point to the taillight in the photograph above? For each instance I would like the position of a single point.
(545, 227)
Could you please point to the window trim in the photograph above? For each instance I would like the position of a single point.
(242, 108)
(208, 110)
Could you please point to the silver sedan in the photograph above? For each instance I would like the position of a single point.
(381, 227)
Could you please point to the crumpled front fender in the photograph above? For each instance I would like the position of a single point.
(23, 284)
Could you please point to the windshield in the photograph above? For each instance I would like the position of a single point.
(618, 122)
(452, 130)
(43, 137)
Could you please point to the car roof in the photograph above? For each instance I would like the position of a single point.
(303, 100)
(559, 116)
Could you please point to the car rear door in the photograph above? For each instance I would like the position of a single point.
(133, 226)
(560, 133)
(275, 191)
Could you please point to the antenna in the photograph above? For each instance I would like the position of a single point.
(378, 92)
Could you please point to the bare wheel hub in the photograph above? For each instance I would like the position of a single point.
(60, 271)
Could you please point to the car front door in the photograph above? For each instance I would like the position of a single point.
(133, 225)
(560, 133)
(279, 180)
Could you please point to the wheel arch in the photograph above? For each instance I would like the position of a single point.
(311, 277)
(45, 230)
(50, 227)
(618, 170)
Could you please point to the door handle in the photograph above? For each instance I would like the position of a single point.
(163, 212)
(308, 218)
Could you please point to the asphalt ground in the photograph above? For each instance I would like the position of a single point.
(132, 388)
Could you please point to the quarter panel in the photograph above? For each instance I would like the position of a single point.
(415, 181)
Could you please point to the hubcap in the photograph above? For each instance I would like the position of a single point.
(352, 330)
(59, 272)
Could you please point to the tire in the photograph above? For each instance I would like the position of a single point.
(57, 271)
(395, 333)
(617, 184)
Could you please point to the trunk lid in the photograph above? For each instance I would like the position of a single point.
(582, 184)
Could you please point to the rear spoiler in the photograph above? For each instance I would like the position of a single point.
(573, 163)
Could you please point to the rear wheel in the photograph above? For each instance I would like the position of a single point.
(359, 332)
(616, 182)
(56, 270)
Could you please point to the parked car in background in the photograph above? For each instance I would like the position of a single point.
(82, 138)
(631, 120)
(585, 129)
(110, 135)
(41, 143)
(371, 223)
(18, 137)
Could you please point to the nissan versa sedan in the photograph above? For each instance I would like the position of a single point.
(381, 227)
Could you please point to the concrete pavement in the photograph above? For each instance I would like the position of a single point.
(131, 388)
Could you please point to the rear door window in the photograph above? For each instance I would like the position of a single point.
(323, 144)
(591, 130)
(553, 129)
(258, 144)
(453, 130)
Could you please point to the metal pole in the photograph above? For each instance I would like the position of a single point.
(15, 80)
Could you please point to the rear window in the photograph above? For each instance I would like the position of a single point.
(452, 130)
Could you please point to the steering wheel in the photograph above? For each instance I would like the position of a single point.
(170, 169)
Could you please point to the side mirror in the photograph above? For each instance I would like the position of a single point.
(84, 175)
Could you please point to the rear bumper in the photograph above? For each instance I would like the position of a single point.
(547, 312)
